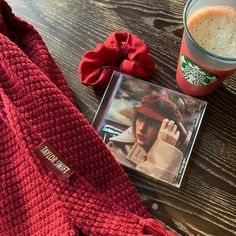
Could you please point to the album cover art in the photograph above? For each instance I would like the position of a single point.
(149, 128)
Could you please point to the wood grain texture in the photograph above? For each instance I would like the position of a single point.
(206, 201)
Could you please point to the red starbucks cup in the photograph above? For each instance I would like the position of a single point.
(208, 49)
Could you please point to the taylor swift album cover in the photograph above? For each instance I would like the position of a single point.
(149, 128)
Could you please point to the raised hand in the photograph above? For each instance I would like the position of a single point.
(168, 132)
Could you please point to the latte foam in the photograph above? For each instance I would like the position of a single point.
(214, 29)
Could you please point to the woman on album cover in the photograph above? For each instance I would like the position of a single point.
(150, 144)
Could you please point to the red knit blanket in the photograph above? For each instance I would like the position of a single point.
(36, 106)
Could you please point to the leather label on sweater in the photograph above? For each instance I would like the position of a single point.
(52, 159)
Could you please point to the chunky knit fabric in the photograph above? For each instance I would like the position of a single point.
(36, 105)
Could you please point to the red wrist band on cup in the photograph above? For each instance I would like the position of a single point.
(121, 51)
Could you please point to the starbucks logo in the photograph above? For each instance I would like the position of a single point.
(195, 74)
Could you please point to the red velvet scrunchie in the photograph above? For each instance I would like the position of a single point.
(122, 51)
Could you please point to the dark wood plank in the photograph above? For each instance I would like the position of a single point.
(206, 201)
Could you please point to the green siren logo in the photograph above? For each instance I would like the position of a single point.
(195, 74)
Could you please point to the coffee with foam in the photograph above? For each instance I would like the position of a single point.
(214, 29)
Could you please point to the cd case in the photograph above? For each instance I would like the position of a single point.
(149, 128)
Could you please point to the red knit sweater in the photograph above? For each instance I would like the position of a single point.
(36, 105)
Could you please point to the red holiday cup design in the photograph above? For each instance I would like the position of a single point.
(208, 53)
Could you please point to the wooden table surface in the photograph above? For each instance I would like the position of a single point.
(206, 201)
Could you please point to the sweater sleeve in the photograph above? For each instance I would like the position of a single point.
(163, 162)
